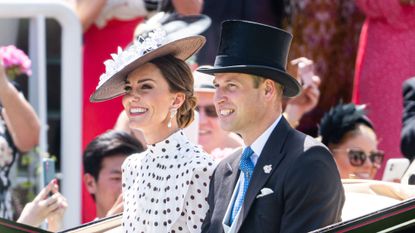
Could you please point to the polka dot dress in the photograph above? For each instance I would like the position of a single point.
(165, 188)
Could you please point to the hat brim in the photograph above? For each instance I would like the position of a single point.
(181, 49)
(291, 86)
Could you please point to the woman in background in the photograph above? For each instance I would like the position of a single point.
(350, 136)
(19, 132)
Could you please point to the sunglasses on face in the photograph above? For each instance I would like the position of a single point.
(209, 110)
(358, 157)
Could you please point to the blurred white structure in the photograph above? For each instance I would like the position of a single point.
(71, 96)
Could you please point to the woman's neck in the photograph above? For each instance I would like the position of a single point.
(155, 135)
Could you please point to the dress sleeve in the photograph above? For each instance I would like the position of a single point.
(195, 204)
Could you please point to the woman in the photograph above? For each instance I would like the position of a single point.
(106, 25)
(165, 188)
(350, 135)
(19, 132)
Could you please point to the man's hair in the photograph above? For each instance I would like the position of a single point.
(111, 143)
(258, 80)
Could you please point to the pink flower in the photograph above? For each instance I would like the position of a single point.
(15, 61)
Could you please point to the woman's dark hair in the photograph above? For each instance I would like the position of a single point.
(341, 120)
(179, 77)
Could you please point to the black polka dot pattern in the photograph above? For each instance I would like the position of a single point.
(165, 188)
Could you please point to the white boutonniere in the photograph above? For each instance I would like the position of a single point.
(267, 168)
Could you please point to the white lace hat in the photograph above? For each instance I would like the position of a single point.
(111, 83)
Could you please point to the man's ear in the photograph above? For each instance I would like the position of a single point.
(179, 99)
(90, 183)
(269, 87)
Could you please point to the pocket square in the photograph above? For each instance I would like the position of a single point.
(265, 192)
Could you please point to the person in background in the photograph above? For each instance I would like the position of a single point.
(102, 162)
(326, 32)
(276, 183)
(19, 132)
(408, 119)
(48, 205)
(350, 135)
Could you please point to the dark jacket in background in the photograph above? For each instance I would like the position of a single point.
(408, 119)
(268, 12)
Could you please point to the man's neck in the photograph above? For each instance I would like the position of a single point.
(256, 130)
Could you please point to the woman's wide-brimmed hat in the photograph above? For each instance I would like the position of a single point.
(254, 48)
(111, 83)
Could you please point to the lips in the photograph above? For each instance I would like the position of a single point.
(362, 175)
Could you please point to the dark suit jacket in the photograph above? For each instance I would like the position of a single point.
(408, 119)
(308, 193)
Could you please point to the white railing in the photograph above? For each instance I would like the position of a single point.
(71, 86)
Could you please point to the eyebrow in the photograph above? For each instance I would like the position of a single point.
(231, 79)
(140, 81)
(115, 172)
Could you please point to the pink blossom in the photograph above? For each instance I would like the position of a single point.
(15, 61)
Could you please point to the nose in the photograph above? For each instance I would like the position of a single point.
(218, 97)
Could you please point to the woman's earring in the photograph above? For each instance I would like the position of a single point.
(173, 112)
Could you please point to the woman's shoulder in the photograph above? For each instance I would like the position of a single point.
(200, 161)
(133, 159)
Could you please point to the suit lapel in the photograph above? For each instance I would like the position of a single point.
(230, 177)
(272, 154)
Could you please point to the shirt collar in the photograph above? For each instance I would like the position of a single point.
(258, 145)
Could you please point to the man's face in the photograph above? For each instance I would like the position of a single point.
(108, 186)
(238, 103)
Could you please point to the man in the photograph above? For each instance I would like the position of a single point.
(102, 161)
(213, 139)
(288, 181)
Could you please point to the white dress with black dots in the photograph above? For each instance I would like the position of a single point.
(165, 188)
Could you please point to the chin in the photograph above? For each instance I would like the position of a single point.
(135, 125)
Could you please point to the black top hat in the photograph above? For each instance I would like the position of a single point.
(254, 48)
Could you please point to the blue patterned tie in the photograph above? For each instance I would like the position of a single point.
(247, 168)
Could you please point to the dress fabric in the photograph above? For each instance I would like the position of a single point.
(8, 153)
(165, 188)
(386, 58)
